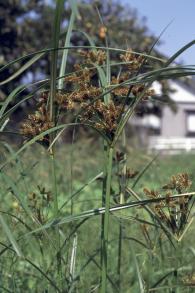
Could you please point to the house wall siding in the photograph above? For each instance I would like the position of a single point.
(174, 125)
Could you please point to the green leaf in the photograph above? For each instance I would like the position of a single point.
(179, 52)
(23, 68)
(54, 56)
(48, 50)
(65, 51)
(100, 211)
(11, 96)
(22, 201)
(139, 276)
(81, 189)
(10, 236)
(74, 7)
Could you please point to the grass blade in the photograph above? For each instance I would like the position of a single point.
(14, 93)
(48, 50)
(144, 170)
(74, 8)
(81, 189)
(73, 259)
(65, 52)
(179, 52)
(106, 221)
(54, 56)
(10, 236)
(17, 194)
(102, 210)
(23, 68)
(140, 280)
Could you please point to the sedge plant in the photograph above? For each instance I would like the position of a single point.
(100, 93)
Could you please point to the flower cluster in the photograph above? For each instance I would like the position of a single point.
(133, 62)
(38, 201)
(174, 212)
(37, 123)
(103, 116)
(94, 56)
(179, 183)
(69, 101)
(83, 93)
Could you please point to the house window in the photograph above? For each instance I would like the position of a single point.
(190, 123)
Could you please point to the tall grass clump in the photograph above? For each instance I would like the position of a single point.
(64, 230)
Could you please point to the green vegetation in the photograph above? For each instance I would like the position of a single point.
(30, 180)
(92, 214)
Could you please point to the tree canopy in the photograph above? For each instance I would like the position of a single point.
(25, 27)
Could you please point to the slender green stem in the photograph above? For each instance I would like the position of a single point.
(106, 220)
(120, 243)
(55, 212)
(105, 79)
(52, 113)
(122, 183)
(54, 182)
(52, 110)
(176, 271)
(103, 197)
(124, 169)
(54, 56)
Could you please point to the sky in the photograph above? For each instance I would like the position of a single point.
(181, 14)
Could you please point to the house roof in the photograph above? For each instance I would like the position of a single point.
(183, 93)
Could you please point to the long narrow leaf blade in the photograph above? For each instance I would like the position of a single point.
(10, 236)
(22, 69)
(65, 52)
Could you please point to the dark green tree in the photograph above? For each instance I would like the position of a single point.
(25, 26)
(120, 23)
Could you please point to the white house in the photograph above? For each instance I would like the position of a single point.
(173, 131)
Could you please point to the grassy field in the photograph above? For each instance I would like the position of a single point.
(149, 259)
(77, 164)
